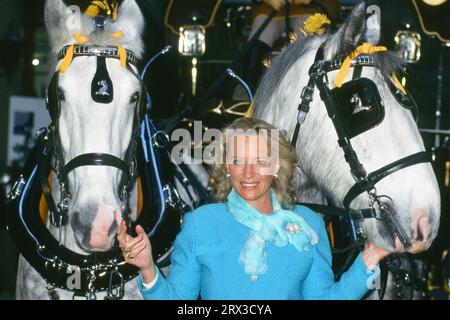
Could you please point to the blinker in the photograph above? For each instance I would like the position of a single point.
(102, 90)
(358, 105)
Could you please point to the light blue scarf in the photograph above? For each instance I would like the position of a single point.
(265, 228)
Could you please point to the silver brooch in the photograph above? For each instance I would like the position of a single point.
(293, 227)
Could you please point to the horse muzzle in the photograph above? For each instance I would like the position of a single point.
(95, 227)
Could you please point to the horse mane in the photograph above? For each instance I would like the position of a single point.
(280, 66)
(387, 63)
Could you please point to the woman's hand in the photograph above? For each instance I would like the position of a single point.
(137, 251)
(372, 255)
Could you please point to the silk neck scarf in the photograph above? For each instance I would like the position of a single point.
(281, 227)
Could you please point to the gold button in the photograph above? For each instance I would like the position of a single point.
(253, 277)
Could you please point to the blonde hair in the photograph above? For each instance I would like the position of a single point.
(282, 185)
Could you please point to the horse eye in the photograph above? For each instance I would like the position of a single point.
(134, 97)
(61, 96)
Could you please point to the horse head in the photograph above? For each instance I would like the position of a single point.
(95, 99)
(411, 193)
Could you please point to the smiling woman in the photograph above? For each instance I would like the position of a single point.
(273, 158)
(255, 243)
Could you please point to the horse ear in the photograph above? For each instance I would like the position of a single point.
(62, 22)
(373, 25)
(350, 35)
(131, 22)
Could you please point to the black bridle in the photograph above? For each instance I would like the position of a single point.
(101, 92)
(380, 207)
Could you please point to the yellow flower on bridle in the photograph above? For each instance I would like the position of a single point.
(315, 24)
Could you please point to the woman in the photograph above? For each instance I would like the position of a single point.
(254, 243)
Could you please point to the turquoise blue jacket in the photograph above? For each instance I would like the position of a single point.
(205, 264)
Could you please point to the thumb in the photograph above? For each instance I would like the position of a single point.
(123, 226)
(140, 230)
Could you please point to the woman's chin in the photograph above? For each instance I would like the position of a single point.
(249, 194)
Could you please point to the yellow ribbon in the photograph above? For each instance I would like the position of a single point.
(398, 84)
(122, 51)
(92, 11)
(365, 48)
(81, 39)
(65, 63)
(122, 56)
(249, 112)
(117, 35)
(67, 59)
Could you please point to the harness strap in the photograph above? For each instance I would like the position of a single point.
(55, 213)
(357, 169)
(57, 217)
(303, 107)
(71, 51)
(308, 92)
(204, 196)
(95, 159)
(374, 177)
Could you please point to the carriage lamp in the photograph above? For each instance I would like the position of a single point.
(192, 40)
(407, 45)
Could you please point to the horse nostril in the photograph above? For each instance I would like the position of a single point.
(76, 221)
(419, 233)
(423, 229)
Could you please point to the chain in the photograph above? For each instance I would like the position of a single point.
(113, 293)
(52, 292)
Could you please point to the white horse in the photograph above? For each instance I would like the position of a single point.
(322, 170)
(88, 124)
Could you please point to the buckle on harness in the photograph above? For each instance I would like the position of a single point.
(17, 189)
